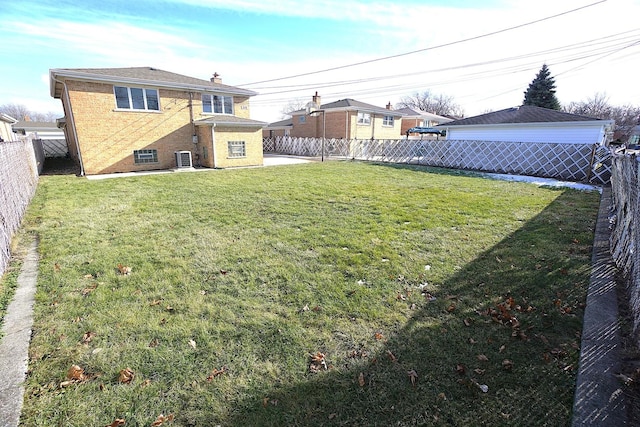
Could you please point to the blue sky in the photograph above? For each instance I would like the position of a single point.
(591, 50)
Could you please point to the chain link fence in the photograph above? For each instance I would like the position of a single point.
(571, 162)
(18, 181)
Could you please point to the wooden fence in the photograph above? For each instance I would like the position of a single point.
(625, 232)
(19, 169)
(572, 162)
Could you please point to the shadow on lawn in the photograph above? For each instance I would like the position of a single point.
(539, 267)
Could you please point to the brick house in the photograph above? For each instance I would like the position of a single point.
(135, 119)
(346, 118)
(417, 118)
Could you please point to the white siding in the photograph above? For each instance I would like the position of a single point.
(555, 133)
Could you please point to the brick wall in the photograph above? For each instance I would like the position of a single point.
(253, 147)
(108, 137)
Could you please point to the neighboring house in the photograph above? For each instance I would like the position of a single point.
(275, 129)
(38, 130)
(6, 132)
(346, 118)
(531, 124)
(143, 118)
(414, 117)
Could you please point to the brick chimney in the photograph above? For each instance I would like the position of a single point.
(389, 107)
(216, 78)
(316, 99)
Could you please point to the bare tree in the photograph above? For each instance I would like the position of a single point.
(441, 105)
(626, 117)
(21, 112)
(293, 105)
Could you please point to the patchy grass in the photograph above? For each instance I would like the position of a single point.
(414, 287)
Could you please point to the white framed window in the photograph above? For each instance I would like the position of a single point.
(387, 121)
(136, 98)
(217, 104)
(237, 149)
(145, 156)
(364, 118)
(302, 119)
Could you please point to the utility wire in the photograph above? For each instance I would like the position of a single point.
(428, 48)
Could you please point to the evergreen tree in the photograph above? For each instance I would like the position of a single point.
(542, 91)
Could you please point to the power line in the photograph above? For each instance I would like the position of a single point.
(428, 48)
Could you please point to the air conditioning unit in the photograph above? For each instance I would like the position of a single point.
(183, 159)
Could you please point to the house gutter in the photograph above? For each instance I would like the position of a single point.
(73, 123)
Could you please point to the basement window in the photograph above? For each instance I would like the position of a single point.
(237, 149)
(145, 156)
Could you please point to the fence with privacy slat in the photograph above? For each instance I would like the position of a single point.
(572, 162)
(18, 182)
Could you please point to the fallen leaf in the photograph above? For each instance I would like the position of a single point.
(305, 308)
(192, 343)
(451, 308)
(117, 423)
(88, 276)
(161, 420)
(361, 379)
(154, 343)
(413, 376)
(126, 376)
(472, 341)
(87, 337)
(216, 373)
(332, 415)
(460, 368)
(265, 401)
(467, 322)
(507, 364)
(391, 356)
(56, 267)
(318, 361)
(223, 272)
(502, 347)
(76, 373)
(442, 396)
(479, 371)
(378, 336)
(124, 270)
(155, 302)
(482, 358)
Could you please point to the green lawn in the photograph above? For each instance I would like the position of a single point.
(320, 294)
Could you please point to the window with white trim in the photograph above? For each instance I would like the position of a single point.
(237, 149)
(364, 118)
(387, 121)
(217, 104)
(136, 98)
(145, 156)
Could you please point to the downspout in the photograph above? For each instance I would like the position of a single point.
(73, 124)
(347, 125)
(213, 148)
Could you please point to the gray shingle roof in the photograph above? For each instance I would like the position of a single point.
(281, 123)
(352, 104)
(522, 114)
(224, 119)
(145, 75)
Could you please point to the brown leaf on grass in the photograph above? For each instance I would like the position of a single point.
(155, 302)
(56, 267)
(391, 356)
(126, 376)
(461, 369)
(154, 343)
(88, 276)
(467, 322)
(86, 291)
(507, 364)
(378, 336)
(451, 308)
(76, 373)
(87, 337)
(318, 361)
(400, 297)
(502, 348)
(265, 402)
(216, 373)
(482, 358)
(117, 423)
(479, 371)
(124, 270)
(361, 379)
(413, 376)
(162, 419)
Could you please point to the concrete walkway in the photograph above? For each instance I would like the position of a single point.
(599, 397)
(14, 346)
